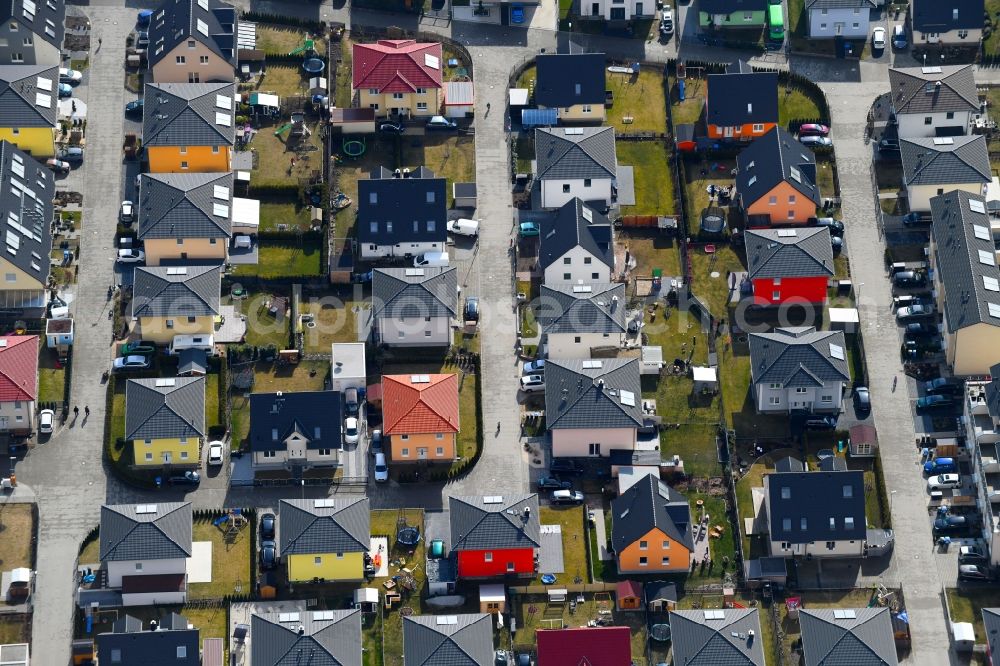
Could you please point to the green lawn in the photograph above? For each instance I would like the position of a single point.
(652, 250)
(269, 378)
(654, 185)
(991, 44)
(825, 180)
(966, 605)
(468, 435)
(91, 552)
(723, 549)
(449, 156)
(796, 105)
(263, 329)
(17, 528)
(383, 523)
(212, 400)
(336, 317)
(714, 290)
(528, 75)
(284, 81)
(279, 259)
(698, 176)
(291, 214)
(230, 561)
(695, 444)
(690, 111)
(284, 39)
(570, 520)
(342, 88)
(118, 424)
(274, 155)
(640, 99)
(51, 379)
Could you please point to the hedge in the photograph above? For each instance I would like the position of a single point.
(280, 19)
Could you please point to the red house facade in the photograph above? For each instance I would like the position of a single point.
(495, 535)
(493, 563)
(788, 266)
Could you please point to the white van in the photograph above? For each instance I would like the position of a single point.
(463, 227)
(206, 343)
(431, 259)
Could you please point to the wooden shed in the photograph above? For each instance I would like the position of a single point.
(628, 595)
(864, 441)
(492, 598)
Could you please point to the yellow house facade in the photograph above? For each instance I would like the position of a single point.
(192, 249)
(166, 451)
(188, 127)
(324, 538)
(165, 421)
(328, 566)
(425, 102)
(29, 94)
(162, 330)
(175, 300)
(581, 113)
(39, 141)
(186, 217)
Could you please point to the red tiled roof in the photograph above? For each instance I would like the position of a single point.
(18, 367)
(422, 407)
(586, 646)
(396, 66)
(628, 588)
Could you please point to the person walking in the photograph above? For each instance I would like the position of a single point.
(76, 411)
(86, 411)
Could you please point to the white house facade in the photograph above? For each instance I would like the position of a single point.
(577, 266)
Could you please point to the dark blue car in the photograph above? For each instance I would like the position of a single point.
(940, 466)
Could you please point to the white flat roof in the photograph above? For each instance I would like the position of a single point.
(703, 374)
(652, 354)
(366, 595)
(246, 212)
(492, 592)
(629, 475)
(844, 315)
(518, 96)
(348, 360)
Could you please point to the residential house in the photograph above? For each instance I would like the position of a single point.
(798, 368)
(420, 417)
(578, 319)
(741, 104)
(841, 19)
(592, 407)
(175, 300)
(817, 513)
(859, 636)
(401, 213)
(495, 535)
(192, 41)
(947, 23)
(776, 180)
(576, 162)
(935, 165)
(577, 246)
(26, 215)
(981, 412)
(144, 550)
(651, 529)
(575, 646)
(29, 105)
(629, 10)
(414, 307)
(732, 14)
(719, 637)
(185, 216)
(31, 33)
(324, 539)
(399, 77)
(165, 421)
(966, 281)
(574, 83)
(295, 431)
(188, 127)
(789, 266)
(18, 383)
(456, 640)
(165, 642)
(991, 625)
(326, 636)
(933, 101)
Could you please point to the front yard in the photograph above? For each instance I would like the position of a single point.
(638, 102)
(51, 376)
(654, 183)
(230, 561)
(794, 104)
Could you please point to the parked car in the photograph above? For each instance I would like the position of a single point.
(463, 227)
(562, 467)
(135, 362)
(878, 38)
(921, 345)
(390, 127)
(65, 90)
(914, 311)
(141, 347)
(376, 442)
(268, 525)
(130, 255)
(909, 279)
(552, 483)
(536, 367)
(667, 22)
(813, 129)
(971, 555)
(973, 572)
(381, 468)
(814, 140)
(72, 154)
(67, 75)
(46, 419)
(351, 430)
(944, 482)
(517, 14)
(916, 220)
(566, 497)
(836, 227)
(134, 108)
(57, 165)
(950, 523)
(189, 478)
(268, 555)
(862, 401)
(942, 386)
(888, 146)
(920, 330)
(528, 229)
(126, 213)
(899, 37)
(440, 122)
(532, 383)
(351, 401)
(837, 244)
(821, 423)
(216, 453)
(934, 403)
(941, 466)
(471, 310)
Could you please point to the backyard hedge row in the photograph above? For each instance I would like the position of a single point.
(281, 19)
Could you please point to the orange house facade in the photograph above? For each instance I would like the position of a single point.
(421, 417)
(776, 181)
(783, 204)
(745, 132)
(189, 159)
(654, 552)
(189, 127)
(741, 104)
(651, 529)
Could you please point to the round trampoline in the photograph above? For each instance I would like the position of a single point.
(660, 632)
(354, 147)
(313, 65)
(408, 536)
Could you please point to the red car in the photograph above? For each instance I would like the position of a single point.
(812, 129)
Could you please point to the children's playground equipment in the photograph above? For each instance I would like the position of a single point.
(297, 126)
(306, 47)
(354, 147)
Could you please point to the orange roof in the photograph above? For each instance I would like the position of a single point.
(413, 404)
(18, 367)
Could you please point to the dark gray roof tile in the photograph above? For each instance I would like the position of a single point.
(798, 356)
(717, 637)
(485, 522)
(165, 407)
(159, 531)
(211, 22)
(29, 95)
(593, 308)
(934, 89)
(402, 210)
(316, 638)
(576, 152)
(771, 159)
(189, 114)
(817, 506)
(945, 160)
(940, 16)
(315, 415)
(787, 253)
(324, 526)
(185, 205)
(598, 393)
(431, 291)
(448, 640)
(160, 647)
(741, 96)
(26, 212)
(45, 18)
(176, 291)
(847, 637)
(565, 80)
(649, 503)
(576, 225)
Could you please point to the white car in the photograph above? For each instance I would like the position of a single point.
(130, 255)
(533, 367)
(944, 481)
(381, 468)
(878, 38)
(463, 227)
(67, 75)
(351, 430)
(532, 383)
(46, 418)
(216, 452)
(127, 211)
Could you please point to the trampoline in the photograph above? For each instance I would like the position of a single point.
(354, 147)
(408, 536)
(313, 65)
(660, 632)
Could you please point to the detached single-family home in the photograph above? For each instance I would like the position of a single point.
(185, 216)
(456, 640)
(144, 549)
(577, 246)
(399, 77)
(167, 640)
(414, 307)
(798, 368)
(947, 23)
(592, 407)
(165, 421)
(935, 165)
(576, 162)
(651, 529)
(991, 623)
(713, 637)
(776, 180)
(401, 213)
(859, 636)
(420, 417)
(295, 431)
(29, 98)
(31, 33)
(732, 14)
(589, 646)
(175, 300)
(326, 636)
(966, 281)
(578, 319)
(844, 19)
(18, 383)
(188, 127)
(789, 265)
(572, 83)
(933, 101)
(741, 104)
(495, 535)
(815, 513)
(325, 539)
(192, 41)
(26, 214)
(611, 10)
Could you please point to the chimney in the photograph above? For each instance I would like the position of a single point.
(302, 630)
(153, 625)
(406, 172)
(397, 173)
(527, 513)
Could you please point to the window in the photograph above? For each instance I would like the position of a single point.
(849, 523)
(324, 453)
(170, 323)
(13, 26)
(822, 26)
(855, 24)
(116, 656)
(643, 545)
(567, 261)
(665, 562)
(940, 191)
(510, 566)
(190, 43)
(138, 566)
(397, 95)
(786, 524)
(182, 652)
(181, 60)
(666, 545)
(203, 60)
(847, 491)
(17, 404)
(488, 557)
(184, 165)
(950, 115)
(785, 545)
(643, 561)
(149, 457)
(594, 449)
(962, 34)
(594, 276)
(318, 559)
(576, 339)
(774, 387)
(421, 91)
(15, 130)
(758, 127)
(194, 77)
(587, 261)
(786, 492)
(374, 106)
(402, 335)
(184, 455)
(791, 215)
(27, 41)
(791, 198)
(270, 454)
(774, 400)
(439, 451)
(421, 106)
(388, 227)
(565, 188)
(773, 201)
(800, 389)
(775, 295)
(826, 398)
(17, 57)
(340, 556)
(404, 437)
(215, 150)
(830, 545)
(427, 334)
(586, 108)
(191, 320)
(566, 276)
(439, 435)
(180, 241)
(212, 241)
(586, 182)
(927, 120)
(747, 16)
(803, 524)
(405, 453)
(823, 12)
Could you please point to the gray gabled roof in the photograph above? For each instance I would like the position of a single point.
(771, 159)
(165, 408)
(410, 209)
(945, 160)
(176, 291)
(487, 522)
(160, 531)
(934, 89)
(817, 506)
(576, 225)
(26, 211)
(151, 647)
(740, 96)
(991, 623)
(847, 637)
(576, 152)
(649, 503)
(788, 253)
(592, 308)
(324, 526)
(840, 4)
(45, 18)
(798, 356)
(189, 114)
(965, 257)
(431, 291)
(317, 638)
(185, 205)
(211, 22)
(448, 640)
(29, 95)
(315, 415)
(717, 637)
(588, 393)
(946, 15)
(568, 79)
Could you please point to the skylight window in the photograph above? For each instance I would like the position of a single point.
(977, 206)
(202, 27)
(991, 283)
(223, 119)
(981, 232)
(987, 258)
(44, 83)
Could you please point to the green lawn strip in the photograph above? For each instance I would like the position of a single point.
(291, 214)
(383, 523)
(17, 527)
(230, 561)
(280, 259)
(211, 400)
(118, 424)
(282, 39)
(469, 426)
(638, 98)
(263, 329)
(654, 189)
(991, 43)
(570, 519)
(51, 379)
(449, 156)
(695, 444)
(528, 76)
(723, 549)
(796, 105)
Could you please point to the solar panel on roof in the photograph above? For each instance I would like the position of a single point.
(981, 232)
(977, 206)
(994, 309)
